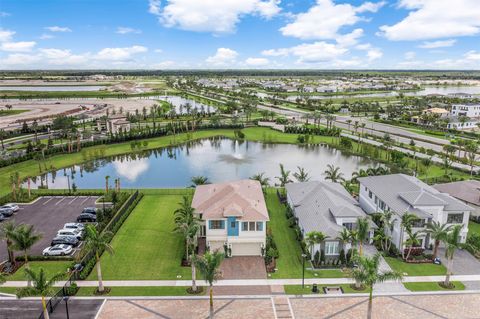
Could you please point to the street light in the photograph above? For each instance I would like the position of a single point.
(65, 298)
(303, 270)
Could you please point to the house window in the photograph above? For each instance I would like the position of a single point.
(370, 194)
(217, 224)
(455, 218)
(418, 223)
(331, 248)
(259, 226)
(349, 226)
(251, 226)
(245, 226)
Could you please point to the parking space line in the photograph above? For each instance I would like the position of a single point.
(63, 198)
(85, 200)
(46, 202)
(73, 200)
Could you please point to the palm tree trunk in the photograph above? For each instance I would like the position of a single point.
(99, 274)
(370, 301)
(449, 272)
(27, 266)
(11, 257)
(194, 277)
(44, 307)
(360, 249)
(435, 248)
(211, 301)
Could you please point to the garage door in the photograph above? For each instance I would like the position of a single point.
(216, 245)
(246, 249)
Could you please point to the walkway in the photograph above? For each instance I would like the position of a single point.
(390, 287)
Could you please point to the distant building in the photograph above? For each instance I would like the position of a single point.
(461, 95)
(466, 191)
(470, 110)
(114, 124)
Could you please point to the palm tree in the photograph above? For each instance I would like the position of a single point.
(208, 266)
(406, 225)
(438, 232)
(199, 180)
(452, 243)
(363, 227)
(186, 223)
(412, 241)
(23, 238)
(41, 286)
(98, 242)
(284, 177)
(333, 173)
(471, 149)
(6, 230)
(368, 274)
(312, 238)
(345, 237)
(386, 218)
(106, 183)
(261, 178)
(301, 175)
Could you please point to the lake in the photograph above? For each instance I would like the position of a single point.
(180, 104)
(219, 159)
(48, 88)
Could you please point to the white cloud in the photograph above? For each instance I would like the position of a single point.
(6, 35)
(325, 19)
(158, 51)
(310, 52)
(45, 36)
(163, 65)
(472, 55)
(410, 55)
(222, 57)
(211, 15)
(22, 46)
(437, 44)
(58, 29)
(257, 62)
(126, 30)
(432, 19)
(120, 54)
(19, 59)
(374, 54)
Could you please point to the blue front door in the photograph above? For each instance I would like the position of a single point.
(232, 227)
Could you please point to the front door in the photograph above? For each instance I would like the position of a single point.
(232, 226)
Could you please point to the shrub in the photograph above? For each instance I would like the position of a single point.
(322, 256)
(342, 258)
(316, 259)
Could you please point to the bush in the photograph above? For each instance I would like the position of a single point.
(322, 256)
(342, 258)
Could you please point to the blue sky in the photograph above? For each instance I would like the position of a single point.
(311, 34)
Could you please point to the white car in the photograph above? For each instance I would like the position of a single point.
(58, 250)
(77, 226)
(12, 206)
(70, 232)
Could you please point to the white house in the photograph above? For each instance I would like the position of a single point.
(401, 193)
(234, 216)
(328, 208)
(470, 110)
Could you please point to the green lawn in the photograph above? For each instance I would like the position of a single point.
(289, 263)
(145, 246)
(429, 269)
(11, 112)
(50, 268)
(307, 290)
(431, 286)
(139, 291)
(473, 228)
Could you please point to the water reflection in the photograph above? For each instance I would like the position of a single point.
(217, 158)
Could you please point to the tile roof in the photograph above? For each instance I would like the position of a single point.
(402, 192)
(467, 191)
(317, 204)
(242, 199)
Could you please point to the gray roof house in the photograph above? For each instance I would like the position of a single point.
(465, 191)
(401, 193)
(326, 207)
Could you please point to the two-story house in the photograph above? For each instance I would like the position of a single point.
(401, 193)
(328, 208)
(234, 216)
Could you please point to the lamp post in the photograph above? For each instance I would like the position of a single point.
(303, 270)
(65, 298)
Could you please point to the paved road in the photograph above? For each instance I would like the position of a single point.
(48, 215)
(31, 309)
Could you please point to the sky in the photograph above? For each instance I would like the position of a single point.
(239, 34)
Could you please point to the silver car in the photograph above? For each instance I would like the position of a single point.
(58, 250)
(12, 206)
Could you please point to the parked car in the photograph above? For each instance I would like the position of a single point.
(89, 210)
(5, 211)
(2, 218)
(12, 206)
(78, 226)
(57, 250)
(87, 218)
(65, 240)
(70, 232)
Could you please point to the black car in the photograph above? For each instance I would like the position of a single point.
(87, 217)
(2, 218)
(65, 240)
(6, 212)
(89, 210)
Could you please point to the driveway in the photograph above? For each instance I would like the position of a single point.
(463, 264)
(246, 267)
(48, 215)
(28, 309)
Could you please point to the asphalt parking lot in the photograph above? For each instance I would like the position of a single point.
(23, 309)
(48, 215)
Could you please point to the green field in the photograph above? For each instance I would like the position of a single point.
(50, 268)
(11, 112)
(145, 246)
(429, 269)
(473, 228)
(289, 263)
(431, 286)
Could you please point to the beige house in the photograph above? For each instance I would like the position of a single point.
(234, 216)
(114, 124)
